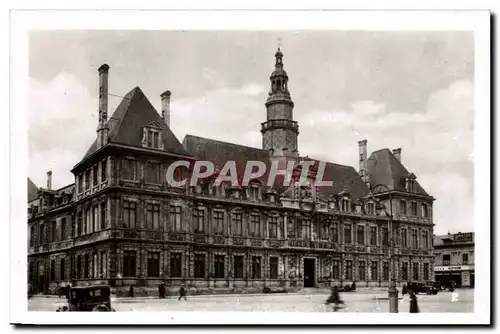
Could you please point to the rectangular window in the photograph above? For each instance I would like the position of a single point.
(175, 218)
(426, 272)
(94, 219)
(153, 216)
(103, 215)
(87, 180)
(348, 270)
(63, 229)
(199, 266)
(32, 235)
(79, 266)
(153, 139)
(52, 270)
(336, 269)
(153, 264)
(104, 170)
(345, 205)
(175, 265)
(218, 223)
(256, 266)
(237, 227)
(385, 236)
(80, 183)
(446, 259)
(361, 270)
(273, 227)
(374, 271)
(425, 239)
(152, 172)
(95, 173)
(404, 239)
(129, 169)
(41, 234)
(130, 214)
(404, 271)
(424, 210)
(273, 267)
(254, 193)
(347, 234)
(80, 223)
(414, 239)
(219, 266)
(238, 266)
(385, 270)
(413, 208)
(53, 230)
(415, 271)
(403, 207)
(335, 232)
(306, 229)
(361, 234)
(465, 258)
(373, 235)
(255, 225)
(62, 269)
(86, 266)
(129, 263)
(371, 208)
(102, 265)
(95, 268)
(324, 230)
(199, 220)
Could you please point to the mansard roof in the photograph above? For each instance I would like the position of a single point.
(384, 168)
(125, 125)
(32, 190)
(343, 177)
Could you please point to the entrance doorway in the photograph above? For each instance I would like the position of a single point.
(309, 273)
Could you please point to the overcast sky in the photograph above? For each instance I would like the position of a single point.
(412, 90)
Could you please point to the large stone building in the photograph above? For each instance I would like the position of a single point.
(120, 223)
(454, 259)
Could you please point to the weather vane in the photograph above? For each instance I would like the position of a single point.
(279, 42)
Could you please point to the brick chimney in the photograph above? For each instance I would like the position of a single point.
(397, 153)
(102, 128)
(165, 107)
(363, 159)
(49, 180)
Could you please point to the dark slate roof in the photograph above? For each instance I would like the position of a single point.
(343, 177)
(384, 168)
(125, 125)
(32, 190)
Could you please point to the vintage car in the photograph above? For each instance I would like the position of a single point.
(95, 298)
(427, 288)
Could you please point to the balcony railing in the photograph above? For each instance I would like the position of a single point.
(280, 124)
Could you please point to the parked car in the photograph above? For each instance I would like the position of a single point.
(95, 298)
(419, 287)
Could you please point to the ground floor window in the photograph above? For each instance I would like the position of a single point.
(219, 266)
(273, 267)
(79, 266)
(256, 267)
(87, 266)
(404, 271)
(386, 271)
(415, 271)
(129, 263)
(348, 270)
(238, 266)
(374, 271)
(175, 265)
(361, 270)
(426, 271)
(52, 270)
(336, 269)
(153, 264)
(199, 266)
(62, 269)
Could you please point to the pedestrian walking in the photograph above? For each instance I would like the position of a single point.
(413, 302)
(405, 289)
(334, 299)
(161, 291)
(182, 293)
(131, 291)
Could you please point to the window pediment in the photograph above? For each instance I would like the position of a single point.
(152, 136)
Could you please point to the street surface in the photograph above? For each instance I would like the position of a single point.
(462, 300)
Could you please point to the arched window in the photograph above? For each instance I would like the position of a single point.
(279, 84)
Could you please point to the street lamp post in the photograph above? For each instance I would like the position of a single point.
(393, 291)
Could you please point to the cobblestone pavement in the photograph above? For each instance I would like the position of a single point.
(362, 301)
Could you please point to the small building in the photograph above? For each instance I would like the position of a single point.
(454, 259)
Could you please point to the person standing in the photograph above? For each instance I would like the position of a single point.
(413, 302)
(161, 291)
(182, 293)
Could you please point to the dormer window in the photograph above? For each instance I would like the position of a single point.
(345, 205)
(151, 137)
(253, 193)
(370, 208)
(410, 183)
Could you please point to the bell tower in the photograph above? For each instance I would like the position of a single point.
(280, 131)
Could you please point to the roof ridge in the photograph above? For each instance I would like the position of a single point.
(223, 142)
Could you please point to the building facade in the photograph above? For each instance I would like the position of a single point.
(121, 224)
(454, 259)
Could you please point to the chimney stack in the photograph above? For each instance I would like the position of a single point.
(49, 180)
(165, 107)
(397, 153)
(102, 128)
(363, 159)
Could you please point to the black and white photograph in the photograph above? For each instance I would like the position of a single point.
(251, 167)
